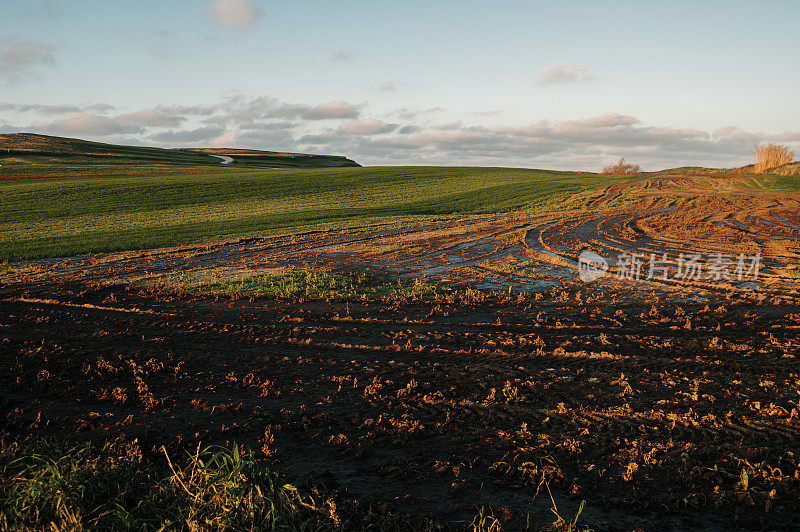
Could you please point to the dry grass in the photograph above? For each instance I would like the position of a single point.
(770, 156)
(621, 168)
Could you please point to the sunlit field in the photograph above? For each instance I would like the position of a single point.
(194, 344)
(70, 214)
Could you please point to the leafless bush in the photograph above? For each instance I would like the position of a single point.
(621, 168)
(771, 156)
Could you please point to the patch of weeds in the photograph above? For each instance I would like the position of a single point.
(791, 271)
(113, 487)
(393, 248)
(314, 285)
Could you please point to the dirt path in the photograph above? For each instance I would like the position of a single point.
(225, 159)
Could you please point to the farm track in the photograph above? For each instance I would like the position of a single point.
(646, 399)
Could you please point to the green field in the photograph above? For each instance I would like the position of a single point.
(95, 211)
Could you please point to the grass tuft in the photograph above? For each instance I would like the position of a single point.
(771, 156)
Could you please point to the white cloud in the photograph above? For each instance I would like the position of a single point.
(414, 138)
(19, 60)
(367, 126)
(55, 109)
(150, 118)
(226, 140)
(341, 56)
(86, 124)
(191, 136)
(241, 14)
(449, 126)
(334, 109)
(564, 73)
(407, 113)
(324, 111)
(389, 86)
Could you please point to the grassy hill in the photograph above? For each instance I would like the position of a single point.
(43, 149)
(63, 216)
(273, 159)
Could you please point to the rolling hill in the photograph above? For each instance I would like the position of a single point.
(29, 147)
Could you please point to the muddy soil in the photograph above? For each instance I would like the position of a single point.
(662, 404)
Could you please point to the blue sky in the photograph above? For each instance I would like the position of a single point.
(503, 83)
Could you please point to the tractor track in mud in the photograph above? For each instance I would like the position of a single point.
(645, 399)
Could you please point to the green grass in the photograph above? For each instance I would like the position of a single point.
(58, 486)
(78, 214)
(780, 183)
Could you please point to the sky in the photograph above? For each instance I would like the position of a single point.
(524, 83)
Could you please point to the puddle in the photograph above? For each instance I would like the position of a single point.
(784, 221)
(740, 225)
(750, 285)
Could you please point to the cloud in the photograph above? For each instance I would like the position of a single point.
(100, 107)
(407, 113)
(323, 111)
(402, 136)
(194, 110)
(191, 136)
(150, 118)
(610, 120)
(77, 121)
(19, 60)
(562, 73)
(406, 130)
(227, 139)
(272, 137)
(329, 137)
(55, 109)
(5, 127)
(389, 86)
(334, 109)
(492, 112)
(241, 14)
(449, 126)
(86, 124)
(367, 126)
(341, 56)
(586, 144)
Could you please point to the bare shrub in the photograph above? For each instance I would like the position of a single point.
(621, 168)
(771, 156)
